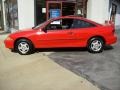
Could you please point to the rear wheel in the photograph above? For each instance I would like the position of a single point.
(95, 45)
(24, 47)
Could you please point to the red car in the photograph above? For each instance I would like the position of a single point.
(66, 31)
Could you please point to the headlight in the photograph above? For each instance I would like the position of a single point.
(9, 38)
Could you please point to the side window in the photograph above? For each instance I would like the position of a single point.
(81, 24)
(61, 24)
(67, 23)
(54, 25)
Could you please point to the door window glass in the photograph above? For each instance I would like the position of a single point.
(60, 24)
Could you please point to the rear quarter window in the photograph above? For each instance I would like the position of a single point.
(81, 24)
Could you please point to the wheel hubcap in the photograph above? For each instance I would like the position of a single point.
(96, 45)
(23, 47)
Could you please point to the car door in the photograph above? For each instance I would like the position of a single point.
(57, 34)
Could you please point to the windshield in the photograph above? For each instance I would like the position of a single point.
(39, 25)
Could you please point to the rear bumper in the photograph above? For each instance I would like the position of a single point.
(111, 40)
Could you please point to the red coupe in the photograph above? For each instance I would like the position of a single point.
(66, 31)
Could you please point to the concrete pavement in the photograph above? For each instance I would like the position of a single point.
(36, 72)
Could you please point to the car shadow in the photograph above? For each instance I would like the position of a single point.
(61, 50)
(68, 49)
(64, 49)
(108, 48)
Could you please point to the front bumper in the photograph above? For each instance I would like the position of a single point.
(9, 44)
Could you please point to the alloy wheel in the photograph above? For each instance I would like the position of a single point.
(23, 47)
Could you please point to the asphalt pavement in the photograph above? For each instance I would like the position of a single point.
(101, 69)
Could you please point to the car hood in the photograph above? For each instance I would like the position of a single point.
(23, 33)
(24, 30)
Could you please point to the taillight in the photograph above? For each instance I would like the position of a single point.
(113, 31)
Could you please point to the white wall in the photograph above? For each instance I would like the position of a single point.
(26, 13)
(3, 7)
(117, 21)
(117, 17)
(98, 10)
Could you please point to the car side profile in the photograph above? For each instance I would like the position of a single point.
(63, 32)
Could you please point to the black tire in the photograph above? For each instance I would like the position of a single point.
(24, 47)
(95, 45)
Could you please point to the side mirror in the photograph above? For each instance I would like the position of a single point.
(33, 27)
(45, 30)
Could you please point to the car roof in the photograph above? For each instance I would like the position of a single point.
(78, 17)
(70, 16)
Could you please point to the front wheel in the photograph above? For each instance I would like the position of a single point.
(24, 47)
(95, 45)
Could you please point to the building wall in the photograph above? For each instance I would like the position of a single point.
(98, 10)
(26, 13)
(4, 23)
(0, 14)
(117, 17)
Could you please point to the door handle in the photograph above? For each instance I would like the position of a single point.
(70, 32)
